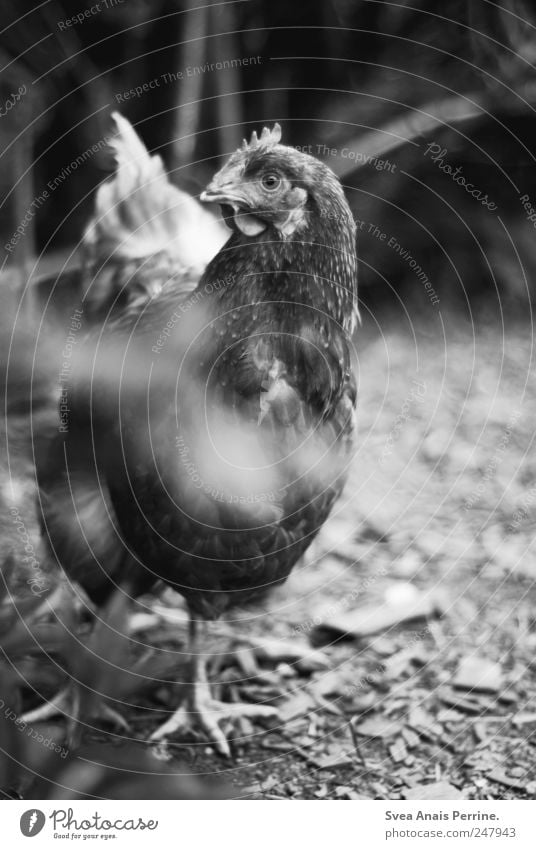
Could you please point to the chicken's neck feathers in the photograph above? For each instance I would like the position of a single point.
(317, 268)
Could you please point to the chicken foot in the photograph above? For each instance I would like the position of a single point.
(201, 712)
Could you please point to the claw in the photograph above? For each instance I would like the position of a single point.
(202, 712)
(248, 652)
(65, 704)
(60, 705)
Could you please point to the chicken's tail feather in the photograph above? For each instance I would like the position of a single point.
(139, 213)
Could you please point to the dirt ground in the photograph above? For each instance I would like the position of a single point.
(419, 594)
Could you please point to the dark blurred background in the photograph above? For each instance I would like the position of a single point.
(363, 77)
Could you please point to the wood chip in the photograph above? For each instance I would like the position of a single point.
(383, 646)
(329, 707)
(480, 674)
(518, 771)
(508, 697)
(450, 715)
(500, 776)
(419, 717)
(322, 791)
(480, 732)
(375, 618)
(411, 738)
(440, 790)
(269, 783)
(274, 746)
(424, 724)
(298, 705)
(291, 651)
(398, 751)
(328, 684)
(462, 703)
(524, 719)
(379, 727)
(343, 792)
(335, 759)
(403, 660)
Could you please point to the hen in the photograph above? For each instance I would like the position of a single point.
(211, 427)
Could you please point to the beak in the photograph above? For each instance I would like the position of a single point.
(215, 193)
(209, 197)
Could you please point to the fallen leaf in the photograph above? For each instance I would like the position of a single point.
(365, 703)
(329, 707)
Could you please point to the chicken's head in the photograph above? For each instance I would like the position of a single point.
(267, 184)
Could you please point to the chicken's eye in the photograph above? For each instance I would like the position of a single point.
(271, 182)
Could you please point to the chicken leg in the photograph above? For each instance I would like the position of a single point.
(200, 711)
